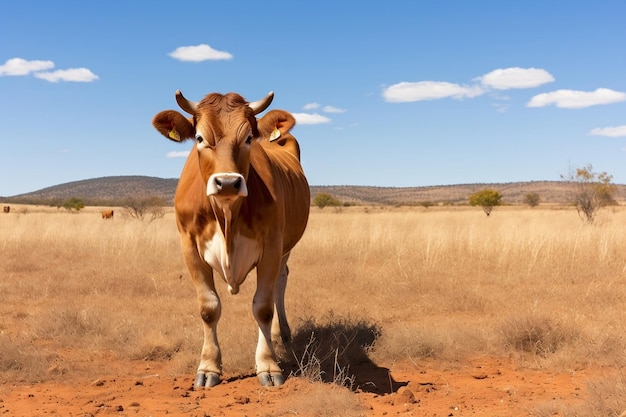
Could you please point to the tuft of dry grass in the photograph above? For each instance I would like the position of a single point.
(606, 397)
(325, 352)
(323, 400)
(537, 335)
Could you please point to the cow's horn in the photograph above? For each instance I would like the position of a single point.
(188, 106)
(260, 105)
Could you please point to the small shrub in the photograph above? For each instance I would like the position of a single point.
(532, 199)
(590, 191)
(73, 203)
(142, 207)
(322, 200)
(487, 199)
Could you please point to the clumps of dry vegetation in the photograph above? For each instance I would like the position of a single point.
(76, 286)
(402, 285)
(606, 397)
(325, 352)
(322, 400)
(537, 335)
(18, 358)
(142, 207)
(413, 341)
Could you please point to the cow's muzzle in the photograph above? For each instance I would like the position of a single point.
(226, 184)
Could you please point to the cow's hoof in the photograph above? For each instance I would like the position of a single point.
(208, 380)
(277, 379)
(273, 379)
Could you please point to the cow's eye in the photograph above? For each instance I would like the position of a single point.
(249, 139)
(199, 138)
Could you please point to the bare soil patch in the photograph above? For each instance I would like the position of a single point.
(487, 386)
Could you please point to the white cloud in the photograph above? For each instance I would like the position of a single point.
(613, 132)
(310, 118)
(198, 53)
(177, 154)
(507, 78)
(311, 106)
(19, 66)
(82, 75)
(428, 90)
(326, 109)
(572, 99)
(332, 109)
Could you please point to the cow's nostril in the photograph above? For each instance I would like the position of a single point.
(237, 184)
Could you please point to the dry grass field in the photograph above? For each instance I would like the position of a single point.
(433, 312)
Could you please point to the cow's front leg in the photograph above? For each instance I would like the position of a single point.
(267, 369)
(210, 368)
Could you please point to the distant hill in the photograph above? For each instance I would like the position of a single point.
(112, 190)
(102, 191)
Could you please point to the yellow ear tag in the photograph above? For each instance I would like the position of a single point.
(275, 134)
(174, 135)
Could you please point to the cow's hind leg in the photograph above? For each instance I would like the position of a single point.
(280, 326)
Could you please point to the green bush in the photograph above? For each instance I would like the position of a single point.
(322, 200)
(73, 203)
(487, 199)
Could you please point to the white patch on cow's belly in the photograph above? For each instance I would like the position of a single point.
(233, 267)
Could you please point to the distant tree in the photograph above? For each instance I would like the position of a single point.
(532, 199)
(322, 200)
(590, 191)
(142, 207)
(73, 203)
(487, 199)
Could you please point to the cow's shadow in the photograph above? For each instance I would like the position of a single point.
(337, 352)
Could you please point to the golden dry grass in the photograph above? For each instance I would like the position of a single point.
(375, 284)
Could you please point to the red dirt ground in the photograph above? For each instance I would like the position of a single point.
(482, 387)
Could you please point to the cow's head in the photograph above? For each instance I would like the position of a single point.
(224, 127)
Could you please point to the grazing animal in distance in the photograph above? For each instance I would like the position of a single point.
(6, 209)
(242, 202)
(107, 214)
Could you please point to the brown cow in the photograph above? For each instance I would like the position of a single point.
(107, 214)
(6, 209)
(242, 202)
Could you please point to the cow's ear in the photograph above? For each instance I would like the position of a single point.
(274, 127)
(174, 125)
(275, 124)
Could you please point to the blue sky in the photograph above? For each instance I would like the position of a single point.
(394, 93)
